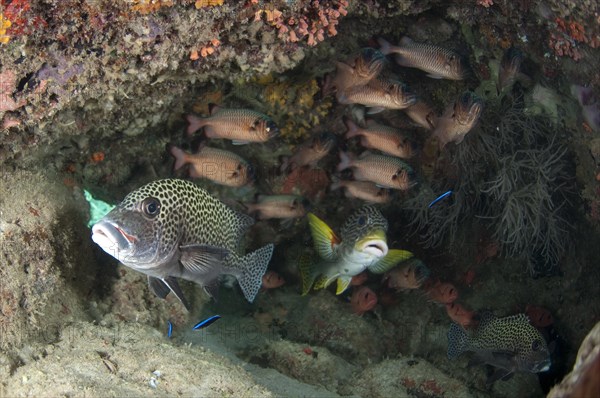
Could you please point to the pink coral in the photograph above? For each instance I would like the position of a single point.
(7, 86)
(565, 36)
(317, 19)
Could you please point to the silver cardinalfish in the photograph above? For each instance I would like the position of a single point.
(386, 139)
(438, 62)
(385, 171)
(378, 95)
(458, 119)
(422, 114)
(278, 206)
(359, 71)
(239, 125)
(363, 190)
(309, 153)
(510, 67)
(510, 344)
(217, 165)
(362, 245)
(171, 228)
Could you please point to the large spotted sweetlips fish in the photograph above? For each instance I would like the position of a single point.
(171, 228)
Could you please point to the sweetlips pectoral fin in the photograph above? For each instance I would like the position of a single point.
(253, 267)
(498, 374)
(158, 287)
(503, 359)
(391, 259)
(212, 289)
(342, 284)
(324, 239)
(173, 285)
(201, 259)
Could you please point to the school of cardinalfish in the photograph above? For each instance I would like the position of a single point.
(386, 166)
(362, 81)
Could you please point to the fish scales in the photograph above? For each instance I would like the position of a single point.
(200, 210)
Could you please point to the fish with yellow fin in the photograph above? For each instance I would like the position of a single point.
(361, 245)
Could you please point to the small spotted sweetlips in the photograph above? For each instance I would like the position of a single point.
(362, 246)
(510, 344)
(171, 228)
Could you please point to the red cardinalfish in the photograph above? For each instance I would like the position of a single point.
(538, 316)
(363, 299)
(359, 279)
(385, 171)
(272, 280)
(441, 292)
(410, 274)
(460, 315)
(438, 62)
(239, 125)
(217, 165)
(386, 139)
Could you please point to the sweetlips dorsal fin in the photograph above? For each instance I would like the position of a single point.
(485, 318)
(241, 223)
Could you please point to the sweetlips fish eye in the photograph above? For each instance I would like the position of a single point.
(536, 345)
(151, 207)
(361, 220)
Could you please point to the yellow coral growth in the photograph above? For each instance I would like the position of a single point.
(4, 25)
(208, 3)
(293, 105)
(148, 6)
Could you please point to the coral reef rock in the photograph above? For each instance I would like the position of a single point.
(583, 379)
